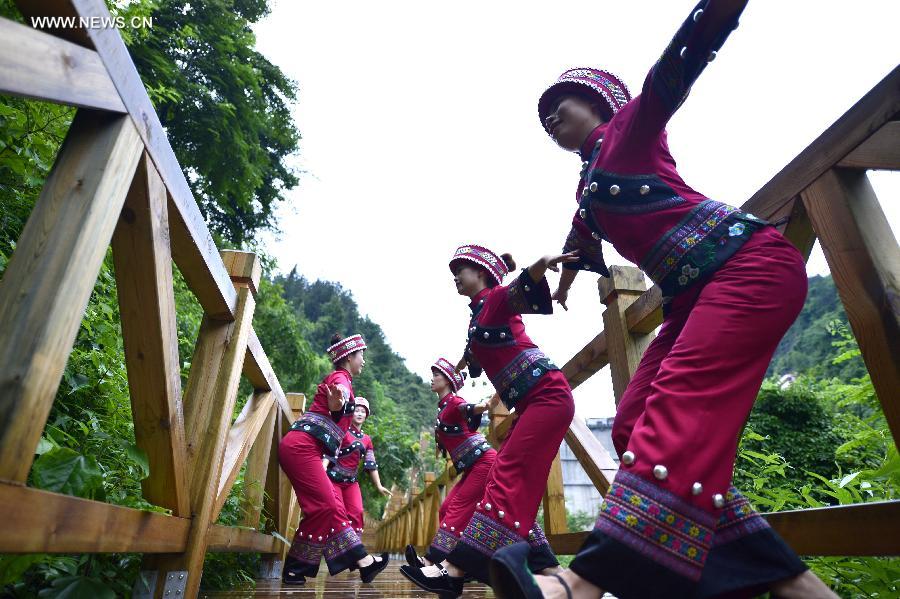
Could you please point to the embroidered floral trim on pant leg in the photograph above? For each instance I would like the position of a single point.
(738, 519)
(444, 541)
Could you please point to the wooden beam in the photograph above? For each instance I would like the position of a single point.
(36, 521)
(864, 259)
(588, 361)
(56, 8)
(880, 151)
(799, 230)
(193, 247)
(241, 437)
(622, 288)
(257, 470)
(855, 126)
(593, 457)
(49, 279)
(555, 500)
(230, 539)
(209, 402)
(143, 265)
(260, 374)
(861, 529)
(34, 64)
(645, 313)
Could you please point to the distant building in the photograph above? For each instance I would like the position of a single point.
(581, 495)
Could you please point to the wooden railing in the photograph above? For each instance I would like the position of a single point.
(826, 195)
(116, 182)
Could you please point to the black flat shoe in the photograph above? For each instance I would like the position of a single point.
(293, 579)
(368, 573)
(445, 586)
(511, 578)
(412, 558)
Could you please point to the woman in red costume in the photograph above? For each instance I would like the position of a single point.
(325, 527)
(524, 379)
(672, 524)
(456, 434)
(356, 448)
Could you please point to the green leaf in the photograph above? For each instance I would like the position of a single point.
(78, 587)
(44, 445)
(64, 470)
(139, 456)
(13, 566)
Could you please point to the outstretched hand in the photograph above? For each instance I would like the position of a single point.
(552, 262)
(561, 296)
(334, 397)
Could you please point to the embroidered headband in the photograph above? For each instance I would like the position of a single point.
(362, 402)
(482, 257)
(600, 85)
(345, 347)
(444, 366)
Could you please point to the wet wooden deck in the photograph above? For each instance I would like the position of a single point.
(388, 585)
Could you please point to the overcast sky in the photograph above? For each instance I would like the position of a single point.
(420, 133)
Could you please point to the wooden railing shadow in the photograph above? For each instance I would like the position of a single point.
(826, 195)
(116, 182)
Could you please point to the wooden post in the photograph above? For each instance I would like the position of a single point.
(209, 402)
(864, 259)
(49, 278)
(618, 291)
(799, 230)
(256, 473)
(143, 264)
(555, 501)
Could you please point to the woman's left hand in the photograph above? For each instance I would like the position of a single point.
(385, 492)
(552, 261)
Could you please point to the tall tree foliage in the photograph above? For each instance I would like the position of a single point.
(225, 107)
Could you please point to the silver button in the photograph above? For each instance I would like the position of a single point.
(660, 472)
(582, 213)
(527, 288)
(645, 189)
(697, 15)
(534, 306)
(584, 191)
(718, 500)
(593, 187)
(628, 458)
(595, 235)
(516, 524)
(503, 335)
(487, 506)
(712, 56)
(501, 513)
(614, 190)
(696, 489)
(486, 335)
(584, 164)
(683, 51)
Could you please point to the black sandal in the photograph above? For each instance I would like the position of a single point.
(511, 578)
(445, 586)
(368, 573)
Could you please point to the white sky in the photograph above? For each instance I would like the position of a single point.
(420, 133)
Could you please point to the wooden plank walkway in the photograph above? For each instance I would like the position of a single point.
(388, 585)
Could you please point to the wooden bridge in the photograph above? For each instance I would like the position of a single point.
(116, 182)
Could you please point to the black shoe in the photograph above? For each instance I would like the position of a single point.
(292, 578)
(511, 578)
(412, 558)
(368, 573)
(445, 586)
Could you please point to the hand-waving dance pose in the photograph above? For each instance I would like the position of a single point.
(672, 525)
(325, 526)
(342, 470)
(456, 433)
(526, 379)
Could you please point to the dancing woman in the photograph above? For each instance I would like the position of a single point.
(325, 527)
(672, 524)
(525, 379)
(343, 469)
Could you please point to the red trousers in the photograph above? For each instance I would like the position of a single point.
(351, 499)
(459, 505)
(671, 523)
(325, 528)
(516, 484)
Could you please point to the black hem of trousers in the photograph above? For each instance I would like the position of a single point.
(435, 556)
(345, 560)
(748, 566)
(299, 568)
(541, 557)
(627, 574)
(471, 561)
